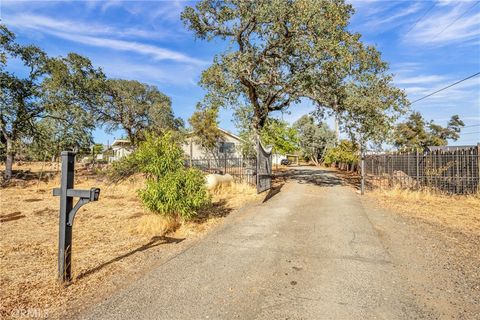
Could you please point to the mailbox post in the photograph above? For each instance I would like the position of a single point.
(67, 213)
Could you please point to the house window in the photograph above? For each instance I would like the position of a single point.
(226, 147)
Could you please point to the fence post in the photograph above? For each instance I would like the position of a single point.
(225, 164)
(478, 167)
(418, 173)
(362, 168)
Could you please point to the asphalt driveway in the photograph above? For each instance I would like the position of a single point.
(309, 252)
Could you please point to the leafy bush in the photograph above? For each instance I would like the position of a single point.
(181, 192)
(345, 152)
(171, 189)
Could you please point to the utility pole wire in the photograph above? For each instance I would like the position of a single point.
(448, 26)
(423, 16)
(444, 88)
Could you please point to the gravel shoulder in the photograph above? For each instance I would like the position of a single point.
(441, 265)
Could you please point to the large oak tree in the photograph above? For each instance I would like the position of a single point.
(283, 51)
(136, 107)
(51, 101)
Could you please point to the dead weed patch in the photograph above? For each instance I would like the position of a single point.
(112, 238)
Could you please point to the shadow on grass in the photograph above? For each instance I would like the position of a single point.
(27, 175)
(217, 209)
(351, 178)
(154, 242)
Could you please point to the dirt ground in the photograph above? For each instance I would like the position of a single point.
(457, 212)
(444, 248)
(115, 240)
(436, 241)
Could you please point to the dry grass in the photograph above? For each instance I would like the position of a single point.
(111, 238)
(235, 194)
(461, 213)
(152, 225)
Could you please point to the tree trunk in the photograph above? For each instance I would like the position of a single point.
(131, 137)
(9, 160)
(337, 125)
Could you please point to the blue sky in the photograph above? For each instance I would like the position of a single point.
(429, 44)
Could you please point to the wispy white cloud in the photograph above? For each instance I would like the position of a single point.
(421, 79)
(43, 23)
(149, 72)
(392, 20)
(171, 12)
(156, 52)
(99, 36)
(151, 9)
(453, 23)
(369, 8)
(464, 97)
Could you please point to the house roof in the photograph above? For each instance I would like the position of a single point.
(120, 142)
(230, 134)
(224, 132)
(125, 142)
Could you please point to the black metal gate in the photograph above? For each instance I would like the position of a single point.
(264, 168)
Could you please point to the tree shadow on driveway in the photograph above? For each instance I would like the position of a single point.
(319, 177)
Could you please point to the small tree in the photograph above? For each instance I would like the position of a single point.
(280, 135)
(346, 152)
(242, 119)
(204, 122)
(314, 139)
(171, 189)
(416, 133)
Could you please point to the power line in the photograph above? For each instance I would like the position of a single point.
(460, 16)
(472, 125)
(444, 88)
(470, 132)
(423, 16)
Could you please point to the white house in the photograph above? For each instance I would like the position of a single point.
(120, 148)
(229, 144)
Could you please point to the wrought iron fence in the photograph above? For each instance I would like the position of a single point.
(453, 171)
(243, 170)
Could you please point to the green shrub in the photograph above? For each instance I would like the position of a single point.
(345, 152)
(171, 189)
(178, 193)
